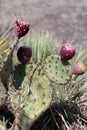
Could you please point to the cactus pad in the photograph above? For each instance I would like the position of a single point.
(7, 44)
(57, 70)
(39, 98)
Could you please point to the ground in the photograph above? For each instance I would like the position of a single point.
(66, 19)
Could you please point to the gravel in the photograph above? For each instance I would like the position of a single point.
(65, 19)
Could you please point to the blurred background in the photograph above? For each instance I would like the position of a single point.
(65, 19)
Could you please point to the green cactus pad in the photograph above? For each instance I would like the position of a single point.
(39, 98)
(8, 42)
(56, 70)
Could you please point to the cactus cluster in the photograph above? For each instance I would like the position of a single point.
(30, 75)
(35, 101)
(23, 88)
(65, 72)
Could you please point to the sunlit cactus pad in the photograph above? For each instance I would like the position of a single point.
(57, 70)
(39, 99)
(40, 95)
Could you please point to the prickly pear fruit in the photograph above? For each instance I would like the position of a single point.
(8, 41)
(22, 28)
(24, 54)
(67, 52)
(79, 68)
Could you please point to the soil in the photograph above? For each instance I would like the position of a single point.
(66, 19)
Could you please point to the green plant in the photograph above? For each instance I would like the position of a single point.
(26, 94)
(57, 70)
(60, 74)
(31, 89)
(34, 100)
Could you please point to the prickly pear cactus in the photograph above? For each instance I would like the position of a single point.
(32, 103)
(7, 44)
(39, 99)
(27, 88)
(60, 74)
(57, 70)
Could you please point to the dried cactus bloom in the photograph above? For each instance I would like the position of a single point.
(67, 52)
(79, 68)
(22, 28)
(24, 54)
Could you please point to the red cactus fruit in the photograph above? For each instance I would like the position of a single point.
(67, 52)
(79, 68)
(22, 28)
(24, 54)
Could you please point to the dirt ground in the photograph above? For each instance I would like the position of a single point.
(66, 19)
